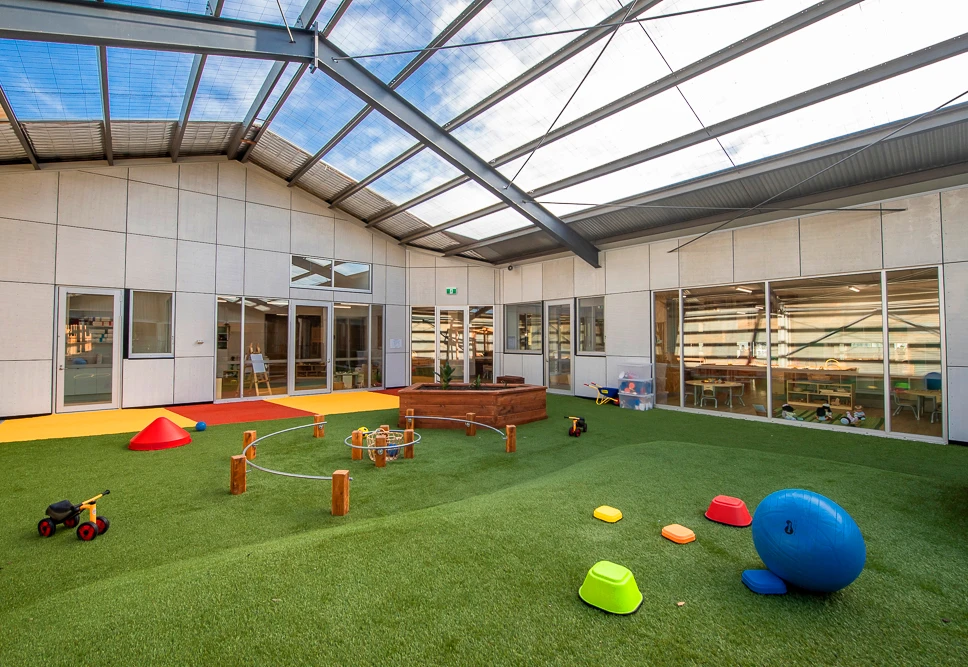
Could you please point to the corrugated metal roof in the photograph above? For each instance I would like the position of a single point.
(10, 148)
(207, 138)
(57, 142)
(141, 138)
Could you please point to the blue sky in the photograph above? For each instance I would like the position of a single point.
(60, 82)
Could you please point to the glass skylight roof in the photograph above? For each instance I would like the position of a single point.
(57, 82)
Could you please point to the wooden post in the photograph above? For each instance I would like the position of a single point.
(341, 492)
(408, 444)
(471, 428)
(385, 427)
(357, 443)
(319, 430)
(381, 452)
(247, 438)
(237, 477)
(408, 424)
(511, 443)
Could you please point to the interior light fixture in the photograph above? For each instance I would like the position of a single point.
(745, 290)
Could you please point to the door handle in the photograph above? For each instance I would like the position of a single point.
(60, 368)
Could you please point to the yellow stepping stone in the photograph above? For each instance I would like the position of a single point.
(678, 534)
(609, 514)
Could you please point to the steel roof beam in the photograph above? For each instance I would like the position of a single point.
(17, 129)
(735, 50)
(825, 150)
(570, 49)
(102, 62)
(472, 10)
(306, 18)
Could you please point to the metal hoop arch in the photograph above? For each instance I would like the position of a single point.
(400, 445)
(280, 472)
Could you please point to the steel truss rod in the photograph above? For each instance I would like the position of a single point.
(448, 33)
(902, 65)
(735, 50)
(17, 129)
(570, 49)
(102, 62)
(291, 86)
(950, 116)
(306, 18)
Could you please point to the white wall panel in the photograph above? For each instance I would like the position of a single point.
(197, 217)
(89, 257)
(590, 369)
(27, 250)
(396, 255)
(826, 246)
(306, 203)
(422, 287)
(513, 364)
(353, 242)
(312, 235)
(954, 223)
(765, 252)
(91, 200)
(150, 263)
(196, 267)
(379, 249)
(378, 283)
(266, 273)
(396, 285)
(261, 188)
(532, 368)
(194, 325)
(628, 324)
(231, 222)
(29, 196)
(420, 259)
(558, 278)
(513, 285)
(152, 210)
(194, 379)
(147, 382)
(531, 288)
(707, 261)
(627, 269)
(32, 380)
(956, 312)
(451, 277)
(160, 174)
(480, 286)
(229, 270)
(199, 177)
(663, 265)
(395, 369)
(231, 180)
(266, 227)
(958, 398)
(27, 324)
(912, 237)
(306, 294)
(590, 281)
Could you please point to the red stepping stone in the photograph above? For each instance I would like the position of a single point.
(162, 433)
(730, 511)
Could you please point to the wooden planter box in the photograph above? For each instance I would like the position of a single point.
(495, 405)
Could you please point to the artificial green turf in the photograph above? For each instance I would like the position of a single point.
(467, 555)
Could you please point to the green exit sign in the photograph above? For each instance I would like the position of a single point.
(452, 290)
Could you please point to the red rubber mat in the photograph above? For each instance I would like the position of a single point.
(236, 413)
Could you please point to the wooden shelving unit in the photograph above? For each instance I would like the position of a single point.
(808, 393)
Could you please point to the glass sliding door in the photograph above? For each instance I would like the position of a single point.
(88, 349)
(451, 341)
(914, 345)
(481, 338)
(351, 344)
(559, 335)
(667, 348)
(266, 327)
(228, 347)
(310, 348)
(376, 347)
(423, 349)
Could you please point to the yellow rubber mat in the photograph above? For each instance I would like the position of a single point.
(334, 404)
(77, 424)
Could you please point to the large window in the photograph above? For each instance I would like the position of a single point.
(481, 354)
(321, 273)
(228, 347)
(266, 326)
(351, 325)
(151, 333)
(376, 346)
(462, 337)
(423, 351)
(724, 348)
(591, 325)
(667, 347)
(451, 341)
(522, 323)
(351, 276)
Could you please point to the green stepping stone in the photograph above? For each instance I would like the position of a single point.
(611, 587)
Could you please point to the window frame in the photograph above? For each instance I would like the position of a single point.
(507, 328)
(332, 275)
(589, 353)
(129, 338)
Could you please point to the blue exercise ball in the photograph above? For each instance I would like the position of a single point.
(201, 426)
(808, 540)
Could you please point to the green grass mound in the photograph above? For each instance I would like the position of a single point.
(467, 555)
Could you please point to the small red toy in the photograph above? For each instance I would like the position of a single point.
(730, 511)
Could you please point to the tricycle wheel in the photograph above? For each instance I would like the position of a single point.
(72, 521)
(46, 527)
(577, 432)
(571, 431)
(102, 525)
(87, 531)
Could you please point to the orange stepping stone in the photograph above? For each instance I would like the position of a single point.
(678, 534)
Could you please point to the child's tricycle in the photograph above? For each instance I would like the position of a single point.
(69, 514)
(578, 426)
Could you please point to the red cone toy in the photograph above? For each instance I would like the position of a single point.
(162, 433)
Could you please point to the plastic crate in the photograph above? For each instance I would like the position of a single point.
(636, 401)
(639, 387)
(634, 372)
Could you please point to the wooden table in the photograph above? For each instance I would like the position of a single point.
(696, 384)
(921, 394)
